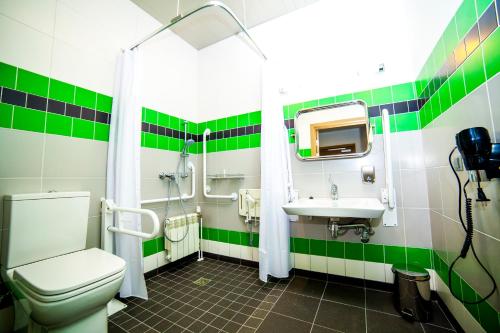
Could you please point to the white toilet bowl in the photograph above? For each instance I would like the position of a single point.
(68, 293)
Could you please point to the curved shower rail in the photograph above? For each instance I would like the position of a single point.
(206, 5)
(233, 196)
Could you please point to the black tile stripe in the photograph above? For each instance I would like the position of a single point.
(73, 111)
(36, 103)
(102, 117)
(88, 114)
(13, 97)
(56, 107)
(486, 24)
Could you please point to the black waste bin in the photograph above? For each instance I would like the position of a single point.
(412, 292)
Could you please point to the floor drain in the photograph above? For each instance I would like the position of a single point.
(202, 282)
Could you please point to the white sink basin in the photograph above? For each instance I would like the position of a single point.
(346, 207)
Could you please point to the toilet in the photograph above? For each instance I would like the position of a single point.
(57, 283)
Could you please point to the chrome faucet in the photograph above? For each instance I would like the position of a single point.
(334, 191)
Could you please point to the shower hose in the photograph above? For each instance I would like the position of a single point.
(169, 188)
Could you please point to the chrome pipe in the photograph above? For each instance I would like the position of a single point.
(206, 5)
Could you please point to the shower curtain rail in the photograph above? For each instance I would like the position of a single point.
(206, 5)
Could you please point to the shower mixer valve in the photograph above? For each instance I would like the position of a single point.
(164, 175)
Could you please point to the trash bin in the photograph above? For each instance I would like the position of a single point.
(412, 292)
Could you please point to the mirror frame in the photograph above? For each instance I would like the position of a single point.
(369, 132)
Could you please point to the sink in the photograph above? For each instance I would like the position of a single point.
(345, 207)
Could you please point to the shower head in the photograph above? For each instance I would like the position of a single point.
(187, 143)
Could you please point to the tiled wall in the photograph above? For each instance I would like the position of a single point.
(462, 85)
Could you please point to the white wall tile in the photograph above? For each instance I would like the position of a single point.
(389, 275)
(303, 261)
(235, 251)
(355, 268)
(150, 263)
(374, 271)
(319, 264)
(336, 266)
(246, 253)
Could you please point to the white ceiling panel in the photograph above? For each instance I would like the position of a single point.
(213, 25)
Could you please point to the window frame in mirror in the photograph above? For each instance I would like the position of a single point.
(369, 133)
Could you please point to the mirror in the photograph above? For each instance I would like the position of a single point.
(333, 132)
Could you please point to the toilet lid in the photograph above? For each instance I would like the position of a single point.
(68, 272)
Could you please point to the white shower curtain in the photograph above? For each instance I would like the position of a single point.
(123, 171)
(276, 182)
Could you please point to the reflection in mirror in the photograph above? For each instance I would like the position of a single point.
(334, 131)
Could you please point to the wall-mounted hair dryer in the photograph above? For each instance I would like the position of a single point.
(478, 153)
(481, 159)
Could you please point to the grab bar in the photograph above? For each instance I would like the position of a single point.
(389, 184)
(233, 196)
(108, 207)
(183, 196)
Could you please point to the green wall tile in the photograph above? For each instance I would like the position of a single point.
(394, 254)
(293, 109)
(149, 247)
(335, 249)
(232, 122)
(212, 125)
(382, 95)
(163, 119)
(377, 121)
(232, 143)
(470, 295)
(221, 124)
(254, 140)
(407, 121)
(243, 120)
(256, 240)
(482, 5)
(291, 135)
(221, 144)
(310, 104)
(176, 123)
(62, 91)
(151, 116)
(58, 124)
(457, 86)
(101, 132)
(204, 233)
(213, 234)
(318, 247)
(465, 17)
(245, 238)
(491, 49)
(255, 118)
(445, 96)
(192, 127)
(8, 75)
(223, 236)
(160, 244)
(344, 98)
(150, 140)
(419, 256)
(243, 141)
(85, 97)
(403, 92)
(450, 37)
(365, 96)
(211, 146)
(6, 111)
(326, 101)
(28, 120)
(32, 83)
(435, 106)
(83, 129)
(474, 71)
(234, 237)
(104, 103)
(489, 317)
(373, 252)
(354, 251)
(162, 142)
(301, 245)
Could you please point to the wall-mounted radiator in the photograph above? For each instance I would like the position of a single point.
(175, 229)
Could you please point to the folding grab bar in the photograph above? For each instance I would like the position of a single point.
(108, 207)
(183, 196)
(232, 196)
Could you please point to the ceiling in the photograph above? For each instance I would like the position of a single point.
(213, 25)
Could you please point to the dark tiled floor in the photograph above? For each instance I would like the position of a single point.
(236, 301)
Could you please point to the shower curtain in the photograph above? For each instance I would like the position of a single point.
(276, 181)
(123, 170)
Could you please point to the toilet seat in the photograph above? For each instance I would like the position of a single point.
(66, 276)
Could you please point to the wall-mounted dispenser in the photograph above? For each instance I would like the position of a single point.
(481, 160)
(249, 202)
